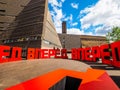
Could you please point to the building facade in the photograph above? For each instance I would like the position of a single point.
(89, 41)
(30, 24)
(69, 41)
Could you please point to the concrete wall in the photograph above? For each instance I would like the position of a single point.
(12, 9)
(89, 41)
(50, 38)
(29, 24)
(69, 41)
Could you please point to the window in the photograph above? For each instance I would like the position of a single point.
(36, 38)
(2, 10)
(1, 27)
(45, 41)
(2, 22)
(2, 3)
(2, 14)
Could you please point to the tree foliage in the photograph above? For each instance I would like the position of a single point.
(114, 35)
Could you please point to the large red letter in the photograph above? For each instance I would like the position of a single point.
(74, 54)
(64, 54)
(37, 53)
(31, 53)
(51, 53)
(95, 53)
(4, 54)
(116, 53)
(16, 53)
(44, 53)
(57, 53)
(88, 54)
(81, 54)
(105, 54)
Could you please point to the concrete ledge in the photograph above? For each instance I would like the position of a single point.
(13, 73)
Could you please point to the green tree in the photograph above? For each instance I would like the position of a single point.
(114, 35)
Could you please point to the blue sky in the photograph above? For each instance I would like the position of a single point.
(86, 17)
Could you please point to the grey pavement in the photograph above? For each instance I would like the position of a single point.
(13, 73)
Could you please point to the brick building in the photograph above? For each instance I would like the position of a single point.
(27, 23)
(88, 40)
(69, 41)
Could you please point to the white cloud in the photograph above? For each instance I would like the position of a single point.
(101, 31)
(58, 16)
(75, 5)
(88, 33)
(74, 24)
(59, 30)
(57, 13)
(105, 12)
(85, 26)
(62, 0)
(75, 31)
(68, 18)
(53, 2)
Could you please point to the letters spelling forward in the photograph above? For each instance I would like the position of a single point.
(108, 53)
(8, 54)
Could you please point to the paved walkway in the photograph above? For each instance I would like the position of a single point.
(13, 73)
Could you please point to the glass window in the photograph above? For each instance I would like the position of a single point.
(2, 10)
